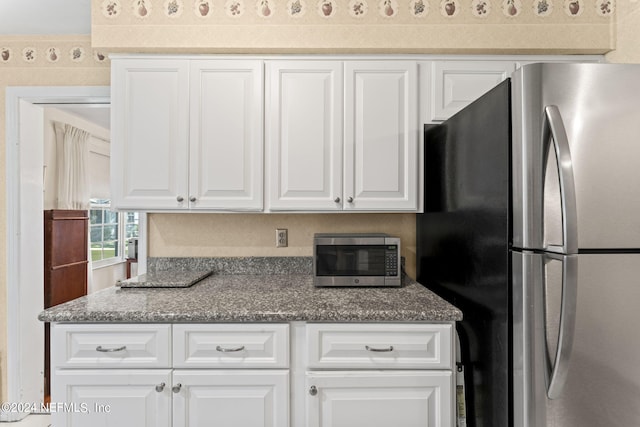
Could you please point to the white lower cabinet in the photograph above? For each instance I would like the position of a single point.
(252, 375)
(111, 397)
(377, 375)
(379, 399)
(247, 398)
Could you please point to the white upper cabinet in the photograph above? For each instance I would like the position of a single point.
(381, 134)
(324, 158)
(322, 134)
(150, 132)
(304, 135)
(458, 83)
(187, 134)
(226, 135)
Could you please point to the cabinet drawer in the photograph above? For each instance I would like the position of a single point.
(111, 346)
(388, 346)
(231, 346)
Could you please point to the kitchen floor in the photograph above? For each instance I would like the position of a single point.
(34, 421)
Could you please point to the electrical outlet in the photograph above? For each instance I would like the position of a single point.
(282, 238)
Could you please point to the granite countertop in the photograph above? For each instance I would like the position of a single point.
(256, 297)
(165, 279)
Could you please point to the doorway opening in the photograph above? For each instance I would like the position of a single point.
(24, 194)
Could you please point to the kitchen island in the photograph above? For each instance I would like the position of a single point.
(254, 347)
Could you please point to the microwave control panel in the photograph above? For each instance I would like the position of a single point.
(391, 260)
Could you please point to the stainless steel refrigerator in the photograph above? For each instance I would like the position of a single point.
(532, 228)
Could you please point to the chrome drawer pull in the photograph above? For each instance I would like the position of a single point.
(176, 388)
(110, 350)
(379, 350)
(229, 350)
(160, 387)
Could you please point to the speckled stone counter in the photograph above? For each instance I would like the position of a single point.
(255, 298)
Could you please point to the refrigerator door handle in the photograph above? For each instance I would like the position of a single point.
(557, 373)
(553, 129)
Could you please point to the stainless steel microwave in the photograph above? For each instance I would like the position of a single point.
(356, 260)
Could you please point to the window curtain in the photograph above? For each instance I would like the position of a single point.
(73, 167)
(74, 191)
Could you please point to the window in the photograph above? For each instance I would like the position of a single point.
(109, 232)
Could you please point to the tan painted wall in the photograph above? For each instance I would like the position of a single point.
(627, 33)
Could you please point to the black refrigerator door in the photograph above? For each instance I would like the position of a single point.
(463, 244)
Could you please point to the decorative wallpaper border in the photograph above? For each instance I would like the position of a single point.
(42, 52)
(328, 10)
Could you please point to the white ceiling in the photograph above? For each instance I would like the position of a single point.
(45, 16)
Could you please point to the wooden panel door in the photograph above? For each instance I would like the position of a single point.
(381, 136)
(66, 254)
(304, 135)
(66, 235)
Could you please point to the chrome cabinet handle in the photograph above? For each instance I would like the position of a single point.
(160, 387)
(337, 200)
(110, 350)
(350, 199)
(192, 199)
(176, 388)
(180, 199)
(313, 390)
(229, 350)
(379, 350)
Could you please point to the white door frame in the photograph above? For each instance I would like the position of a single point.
(17, 328)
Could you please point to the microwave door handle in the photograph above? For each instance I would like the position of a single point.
(557, 373)
(553, 129)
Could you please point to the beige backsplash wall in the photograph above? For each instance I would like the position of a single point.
(220, 235)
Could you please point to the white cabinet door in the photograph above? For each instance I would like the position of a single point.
(150, 132)
(379, 399)
(381, 134)
(111, 397)
(458, 83)
(226, 138)
(304, 135)
(247, 398)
